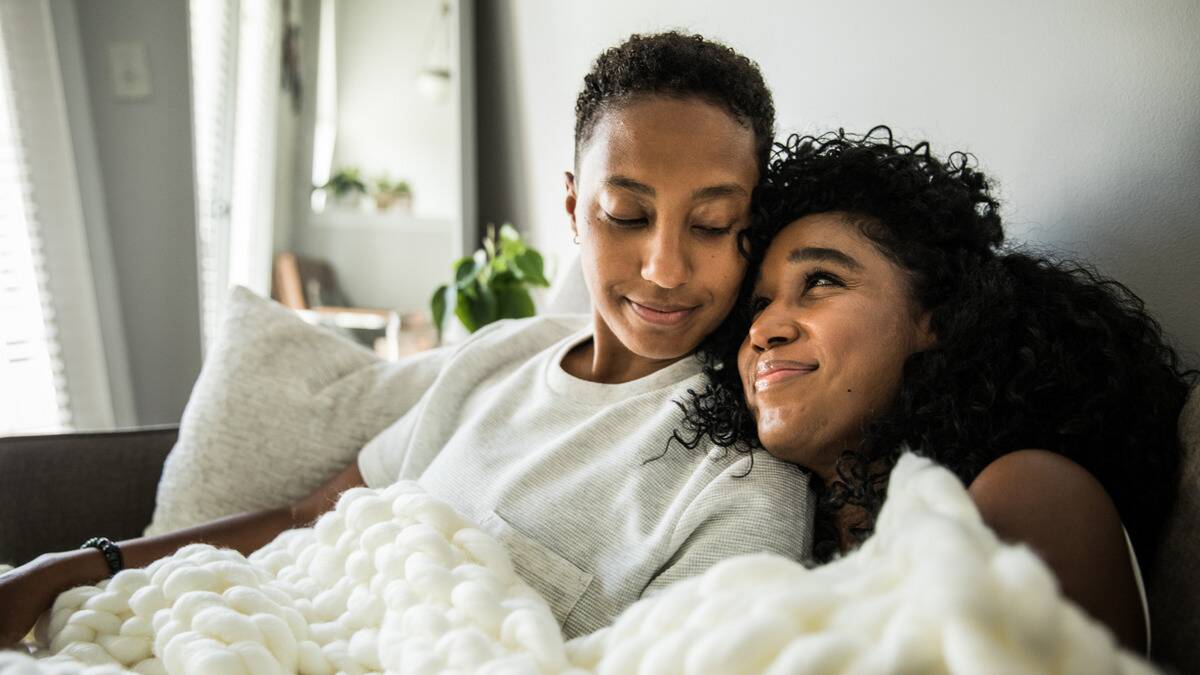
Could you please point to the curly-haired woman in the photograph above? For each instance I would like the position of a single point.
(537, 429)
(887, 315)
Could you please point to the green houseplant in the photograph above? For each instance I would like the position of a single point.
(493, 284)
(346, 184)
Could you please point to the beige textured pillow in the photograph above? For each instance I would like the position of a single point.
(279, 408)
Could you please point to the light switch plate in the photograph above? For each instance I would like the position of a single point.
(130, 70)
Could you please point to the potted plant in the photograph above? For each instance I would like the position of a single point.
(346, 185)
(389, 193)
(492, 284)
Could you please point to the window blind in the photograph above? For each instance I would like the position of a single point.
(55, 369)
(33, 392)
(235, 75)
(255, 135)
(214, 55)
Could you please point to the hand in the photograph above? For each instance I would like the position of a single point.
(26, 592)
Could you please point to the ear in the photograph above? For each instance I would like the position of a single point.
(926, 338)
(570, 201)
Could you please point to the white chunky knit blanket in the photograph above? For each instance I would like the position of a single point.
(394, 581)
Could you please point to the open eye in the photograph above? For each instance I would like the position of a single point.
(820, 278)
(757, 304)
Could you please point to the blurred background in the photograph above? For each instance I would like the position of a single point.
(341, 155)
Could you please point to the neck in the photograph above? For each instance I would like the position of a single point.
(847, 520)
(864, 486)
(607, 360)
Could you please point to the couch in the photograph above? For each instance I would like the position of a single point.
(58, 490)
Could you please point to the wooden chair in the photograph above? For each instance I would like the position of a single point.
(309, 287)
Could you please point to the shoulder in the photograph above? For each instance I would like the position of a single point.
(1033, 489)
(1061, 511)
(744, 509)
(527, 335)
(1050, 502)
(735, 472)
(542, 324)
(754, 487)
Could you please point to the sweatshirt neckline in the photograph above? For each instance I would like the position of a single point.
(565, 384)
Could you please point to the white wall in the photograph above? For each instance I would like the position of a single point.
(1087, 112)
(143, 154)
(385, 126)
(95, 213)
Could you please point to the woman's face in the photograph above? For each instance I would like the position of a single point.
(663, 188)
(834, 322)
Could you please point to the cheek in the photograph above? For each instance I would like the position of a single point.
(724, 272)
(745, 354)
(603, 260)
(878, 363)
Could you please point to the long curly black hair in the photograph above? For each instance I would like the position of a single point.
(679, 65)
(1032, 351)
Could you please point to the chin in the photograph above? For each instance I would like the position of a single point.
(662, 350)
(786, 447)
(657, 345)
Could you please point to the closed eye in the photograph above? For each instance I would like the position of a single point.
(623, 222)
(713, 231)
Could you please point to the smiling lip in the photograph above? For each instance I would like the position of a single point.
(770, 372)
(662, 315)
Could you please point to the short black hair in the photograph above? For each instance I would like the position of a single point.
(678, 65)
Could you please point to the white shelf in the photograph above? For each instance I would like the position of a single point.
(392, 221)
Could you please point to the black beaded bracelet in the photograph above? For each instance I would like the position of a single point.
(112, 553)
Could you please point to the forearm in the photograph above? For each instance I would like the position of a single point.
(28, 591)
(245, 532)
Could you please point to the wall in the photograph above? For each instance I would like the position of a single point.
(143, 155)
(385, 125)
(503, 161)
(102, 265)
(1087, 112)
(386, 260)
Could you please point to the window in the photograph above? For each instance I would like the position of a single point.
(235, 75)
(32, 387)
(53, 371)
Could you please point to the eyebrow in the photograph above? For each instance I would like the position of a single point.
(817, 254)
(702, 194)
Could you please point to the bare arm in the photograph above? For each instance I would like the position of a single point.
(1058, 509)
(244, 532)
(30, 590)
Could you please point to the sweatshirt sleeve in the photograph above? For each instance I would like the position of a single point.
(380, 459)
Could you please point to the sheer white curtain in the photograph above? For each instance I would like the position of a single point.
(33, 394)
(53, 373)
(235, 46)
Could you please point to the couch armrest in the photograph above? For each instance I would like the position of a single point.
(57, 490)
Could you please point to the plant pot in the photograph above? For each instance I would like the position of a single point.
(385, 201)
(348, 200)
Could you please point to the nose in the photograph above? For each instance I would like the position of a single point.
(772, 328)
(666, 262)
